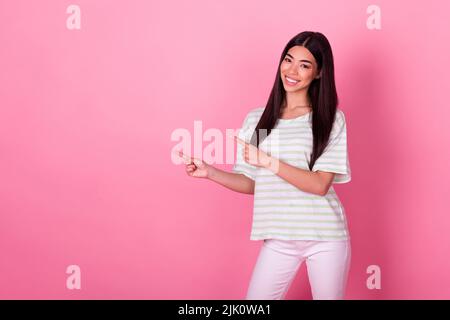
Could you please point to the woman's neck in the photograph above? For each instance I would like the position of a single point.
(296, 106)
(294, 102)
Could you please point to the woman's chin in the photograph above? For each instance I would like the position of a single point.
(291, 89)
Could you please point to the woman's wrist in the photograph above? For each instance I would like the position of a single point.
(272, 164)
(211, 171)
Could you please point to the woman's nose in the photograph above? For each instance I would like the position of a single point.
(293, 69)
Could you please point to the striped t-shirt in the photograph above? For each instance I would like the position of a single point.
(281, 210)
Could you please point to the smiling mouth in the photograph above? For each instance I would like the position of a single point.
(291, 81)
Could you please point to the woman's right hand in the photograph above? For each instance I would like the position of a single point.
(233, 181)
(196, 167)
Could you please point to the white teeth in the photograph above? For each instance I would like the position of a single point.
(291, 80)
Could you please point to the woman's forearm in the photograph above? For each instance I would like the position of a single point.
(304, 180)
(233, 181)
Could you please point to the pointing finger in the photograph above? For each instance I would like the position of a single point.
(187, 159)
(240, 141)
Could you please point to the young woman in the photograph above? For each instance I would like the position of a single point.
(296, 210)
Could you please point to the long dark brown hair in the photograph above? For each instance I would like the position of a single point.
(322, 94)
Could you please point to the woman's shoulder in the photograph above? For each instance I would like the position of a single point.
(340, 116)
(254, 114)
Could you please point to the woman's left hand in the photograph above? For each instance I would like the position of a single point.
(254, 155)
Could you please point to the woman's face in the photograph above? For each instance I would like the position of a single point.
(299, 66)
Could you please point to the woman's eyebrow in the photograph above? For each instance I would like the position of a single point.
(299, 60)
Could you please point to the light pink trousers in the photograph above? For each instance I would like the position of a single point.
(327, 264)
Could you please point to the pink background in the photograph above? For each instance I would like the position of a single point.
(86, 118)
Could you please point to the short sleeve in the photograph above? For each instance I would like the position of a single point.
(335, 156)
(240, 165)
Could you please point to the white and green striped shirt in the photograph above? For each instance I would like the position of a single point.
(281, 210)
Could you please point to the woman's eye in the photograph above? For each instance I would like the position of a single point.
(302, 65)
